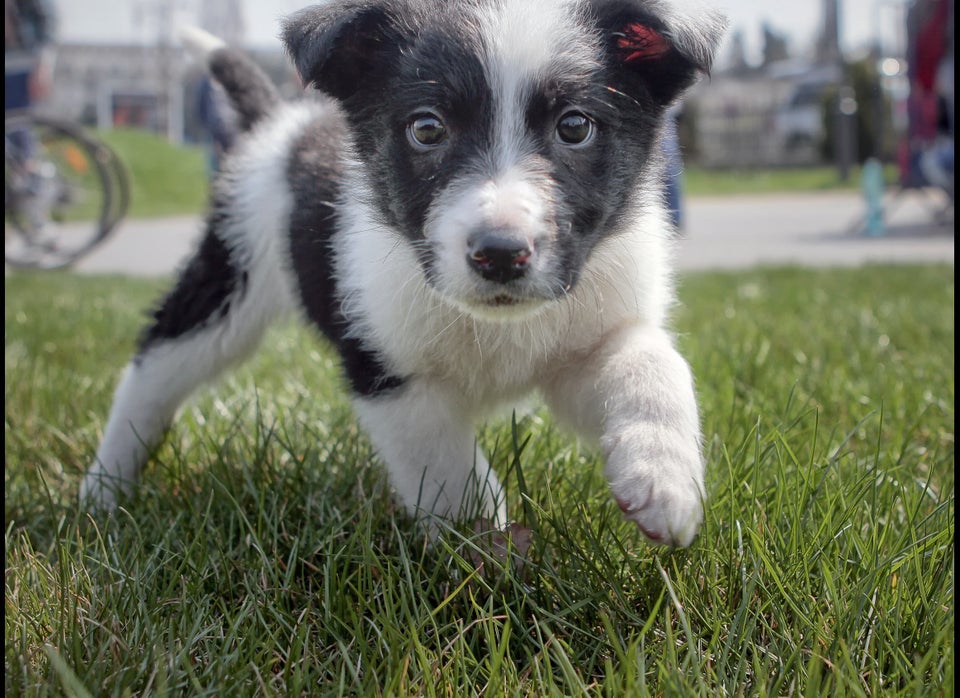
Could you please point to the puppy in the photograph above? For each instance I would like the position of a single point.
(469, 212)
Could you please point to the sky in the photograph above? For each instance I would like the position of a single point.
(134, 21)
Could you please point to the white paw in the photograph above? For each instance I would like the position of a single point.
(660, 489)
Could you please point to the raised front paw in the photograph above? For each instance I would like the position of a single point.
(658, 486)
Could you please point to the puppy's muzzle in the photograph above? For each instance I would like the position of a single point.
(499, 256)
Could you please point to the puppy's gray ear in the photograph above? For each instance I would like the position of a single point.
(337, 47)
(658, 46)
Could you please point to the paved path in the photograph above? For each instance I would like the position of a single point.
(812, 230)
(732, 232)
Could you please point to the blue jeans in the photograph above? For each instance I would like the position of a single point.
(673, 173)
(16, 90)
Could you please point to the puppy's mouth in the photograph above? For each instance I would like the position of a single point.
(504, 300)
(503, 306)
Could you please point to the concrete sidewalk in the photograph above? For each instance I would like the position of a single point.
(813, 229)
(732, 232)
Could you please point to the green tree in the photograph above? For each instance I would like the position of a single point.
(874, 135)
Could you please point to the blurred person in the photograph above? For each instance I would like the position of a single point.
(936, 160)
(27, 62)
(27, 71)
(932, 90)
(218, 120)
(673, 167)
(27, 56)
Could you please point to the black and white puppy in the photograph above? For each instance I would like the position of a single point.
(471, 212)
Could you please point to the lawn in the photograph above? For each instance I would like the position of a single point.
(702, 182)
(165, 179)
(264, 555)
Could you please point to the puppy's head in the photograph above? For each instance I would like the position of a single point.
(503, 138)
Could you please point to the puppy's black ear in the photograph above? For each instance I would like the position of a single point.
(658, 48)
(337, 48)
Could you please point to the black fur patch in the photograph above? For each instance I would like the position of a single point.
(444, 75)
(204, 291)
(314, 171)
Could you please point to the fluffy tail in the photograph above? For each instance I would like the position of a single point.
(251, 93)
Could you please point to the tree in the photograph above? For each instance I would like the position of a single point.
(874, 137)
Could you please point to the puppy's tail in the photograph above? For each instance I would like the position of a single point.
(251, 93)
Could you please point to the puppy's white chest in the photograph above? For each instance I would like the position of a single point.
(482, 361)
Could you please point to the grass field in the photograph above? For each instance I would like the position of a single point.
(265, 557)
(700, 182)
(165, 179)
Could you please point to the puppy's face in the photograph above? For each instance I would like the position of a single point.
(504, 139)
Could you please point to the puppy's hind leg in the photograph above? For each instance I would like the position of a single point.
(210, 320)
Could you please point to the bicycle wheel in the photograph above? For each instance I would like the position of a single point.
(59, 199)
(119, 188)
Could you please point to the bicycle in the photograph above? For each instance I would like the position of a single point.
(65, 191)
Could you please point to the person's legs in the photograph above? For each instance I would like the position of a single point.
(673, 174)
(16, 98)
(16, 90)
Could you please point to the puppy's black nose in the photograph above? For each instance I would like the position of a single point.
(499, 258)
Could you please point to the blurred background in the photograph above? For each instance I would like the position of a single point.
(796, 84)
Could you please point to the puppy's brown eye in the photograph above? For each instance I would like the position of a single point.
(426, 131)
(575, 128)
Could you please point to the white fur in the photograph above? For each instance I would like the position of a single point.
(598, 354)
(428, 424)
(524, 39)
(517, 200)
(199, 41)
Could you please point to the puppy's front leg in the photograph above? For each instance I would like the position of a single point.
(636, 392)
(428, 445)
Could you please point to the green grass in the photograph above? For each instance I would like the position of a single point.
(701, 182)
(264, 555)
(165, 179)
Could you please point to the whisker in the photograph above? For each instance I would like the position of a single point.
(623, 94)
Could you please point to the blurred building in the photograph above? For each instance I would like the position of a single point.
(150, 82)
(107, 85)
(769, 117)
(828, 42)
(782, 112)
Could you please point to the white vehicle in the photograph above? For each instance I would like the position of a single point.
(799, 123)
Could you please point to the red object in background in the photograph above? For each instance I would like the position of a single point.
(931, 44)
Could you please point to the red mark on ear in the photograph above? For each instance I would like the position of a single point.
(640, 43)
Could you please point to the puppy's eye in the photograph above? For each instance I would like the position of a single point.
(426, 131)
(575, 128)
